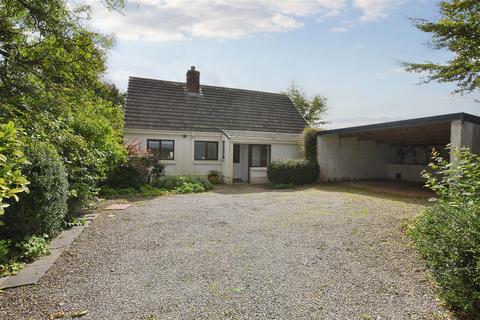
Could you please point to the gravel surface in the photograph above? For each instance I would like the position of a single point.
(240, 252)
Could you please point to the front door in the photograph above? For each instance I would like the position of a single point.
(237, 166)
(240, 162)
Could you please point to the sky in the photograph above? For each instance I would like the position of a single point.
(347, 50)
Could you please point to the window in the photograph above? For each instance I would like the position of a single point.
(223, 149)
(260, 155)
(206, 150)
(163, 148)
(236, 153)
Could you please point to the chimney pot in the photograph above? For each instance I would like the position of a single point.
(193, 80)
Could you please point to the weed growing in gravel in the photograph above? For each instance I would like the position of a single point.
(213, 288)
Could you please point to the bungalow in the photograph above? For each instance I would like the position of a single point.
(198, 128)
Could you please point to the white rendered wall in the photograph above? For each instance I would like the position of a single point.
(183, 163)
(285, 151)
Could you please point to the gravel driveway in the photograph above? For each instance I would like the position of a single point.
(240, 252)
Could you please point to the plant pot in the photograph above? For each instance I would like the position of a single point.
(214, 179)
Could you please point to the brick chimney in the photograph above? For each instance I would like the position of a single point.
(193, 80)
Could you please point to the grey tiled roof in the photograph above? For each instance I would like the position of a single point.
(164, 105)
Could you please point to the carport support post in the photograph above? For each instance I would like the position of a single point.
(465, 134)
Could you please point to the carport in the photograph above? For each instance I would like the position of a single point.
(397, 150)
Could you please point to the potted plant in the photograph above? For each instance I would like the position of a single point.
(214, 176)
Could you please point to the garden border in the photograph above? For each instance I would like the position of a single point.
(34, 271)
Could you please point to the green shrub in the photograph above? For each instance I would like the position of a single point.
(448, 233)
(33, 247)
(189, 187)
(297, 172)
(179, 182)
(43, 209)
(310, 144)
(125, 176)
(12, 181)
(11, 268)
(5, 250)
(150, 191)
(141, 167)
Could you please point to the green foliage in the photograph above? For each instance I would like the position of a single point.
(11, 268)
(457, 183)
(158, 170)
(280, 186)
(125, 176)
(165, 185)
(297, 172)
(145, 190)
(76, 222)
(458, 30)
(179, 183)
(310, 144)
(42, 210)
(12, 181)
(34, 247)
(5, 245)
(189, 187)
(140, 168)
(448, 233)
(51, 66)
(312, 109)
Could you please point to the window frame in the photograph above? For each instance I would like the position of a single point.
(250, 155)
(160, 145)
(206, 150)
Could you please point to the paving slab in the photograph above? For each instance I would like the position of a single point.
(32, 272)
(66, 237)
(119, 206)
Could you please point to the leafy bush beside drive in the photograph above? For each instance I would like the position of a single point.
(12, 180)
(292, 171)
(165, 185)
(448, 233)
(140, 168)
(179, 182)
(43, 209)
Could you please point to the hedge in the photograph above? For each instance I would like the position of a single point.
(292, 171)
(42, 210)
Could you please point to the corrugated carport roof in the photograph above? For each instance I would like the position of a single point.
(421, 131)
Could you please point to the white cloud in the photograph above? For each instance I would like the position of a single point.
(339, 29)
(166, 20)
(374, 10)
(159, 20)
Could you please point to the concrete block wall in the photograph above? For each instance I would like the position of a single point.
(351, 159)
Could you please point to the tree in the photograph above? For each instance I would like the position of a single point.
(51, 87)
(313, 109)
(458, 30)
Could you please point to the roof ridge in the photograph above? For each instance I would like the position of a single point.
(208, 86)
